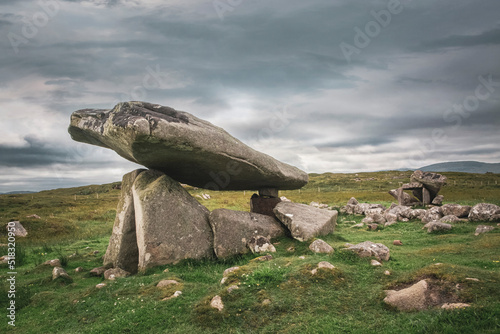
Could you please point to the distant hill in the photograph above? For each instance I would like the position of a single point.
(463, 166)
(18, 192)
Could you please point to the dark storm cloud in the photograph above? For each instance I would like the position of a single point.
(34, 153)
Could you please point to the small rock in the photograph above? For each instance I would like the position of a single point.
(100, 285)
(216, 303)
(79, 270)
(34, 216)
(449, 219)
(266, 302)
(260, 244)
(368, 249)
(437, 226)
(232, 288)
(411, 298)
(95, 252)
(114, 273)
(452, 306)
(472, 279)
(322, 264)
(53, 263)
(99, 271)
(17, 229)
(387, 273)
(290, 249)
(358, 225)
(302, 257)
(166, 270)
(375, 263)
(175, 295)
(319, 246)
(284, 199)
(397, 243)
(59, 272)
(483, 229)
(267, 257)
(166, 282)
(372, 227)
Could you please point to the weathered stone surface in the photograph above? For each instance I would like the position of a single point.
(416, 214)
(461, 211)
(411, 298)
(53, 263)
(361, 208)
(438, 200)
(122, 250)
(484, 212)
(17, 229)
(434, 213)
(449, 219)
(166, 282)
(375, 263)
(234, 229)
(319, 246)
(99, 271)
(305, 222)
(352, 201)
(436, 226)
(403, 198)
(368, 249)
(260, 244)
(453, 306)
(483, 229)
(217, 303)
(114, 273)
(323, 265)
(431, 181)
(171, 225)
(398, 211)
(188, 149)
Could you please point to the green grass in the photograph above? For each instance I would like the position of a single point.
(77, 222)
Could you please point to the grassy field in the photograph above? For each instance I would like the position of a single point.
(77, 222)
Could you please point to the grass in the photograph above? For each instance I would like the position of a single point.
(276, 296)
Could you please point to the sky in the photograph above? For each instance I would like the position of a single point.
(327, 86)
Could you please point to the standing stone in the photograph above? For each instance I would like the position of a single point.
(263, 205)
(17, 228)
(122, 250)
(171, 225)
(304, 221)
(234, 229)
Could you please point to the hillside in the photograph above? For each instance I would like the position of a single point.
(463, 166)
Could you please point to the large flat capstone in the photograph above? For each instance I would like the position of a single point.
(188, 149)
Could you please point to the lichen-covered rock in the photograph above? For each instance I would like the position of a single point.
(260, 244)
(449, 219)
(320, 246)
(305, 222)
(480, 229)
(484, 212)
(58, 272)
(17, 228)
(433, 214)
(437, 226)
(234, 229)
(188, 149)
(461, 211)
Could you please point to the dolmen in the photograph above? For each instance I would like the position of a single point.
(425, 187)
(157, 221)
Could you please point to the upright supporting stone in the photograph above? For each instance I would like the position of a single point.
(269, 192)
(263, 205)
(426, 196)
(171, 224)
(122, 250)
(400, 193)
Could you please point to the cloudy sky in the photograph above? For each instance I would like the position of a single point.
(325, 85)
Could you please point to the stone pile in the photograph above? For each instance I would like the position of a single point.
(425, 187)
(158, 222)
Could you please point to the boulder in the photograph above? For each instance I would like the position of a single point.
(399, 211)
(438, 200)
(53, 263)
(319, 246)
(171, 225)
(17, 229)
(480, 229)
(431, 181)
(417, 214)
(260, 244)
(409, 299)
(449, 219)
(369, 249)
(352, 201)
(348, 209)
(433, 214)
(114, 273)
(122, 250)
(188, 149)
(484, 212)
(436, 226)
(305, 222)
(234, 229)
(362, 208)
(461, 211)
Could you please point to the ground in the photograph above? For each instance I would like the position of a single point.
(276, 296)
